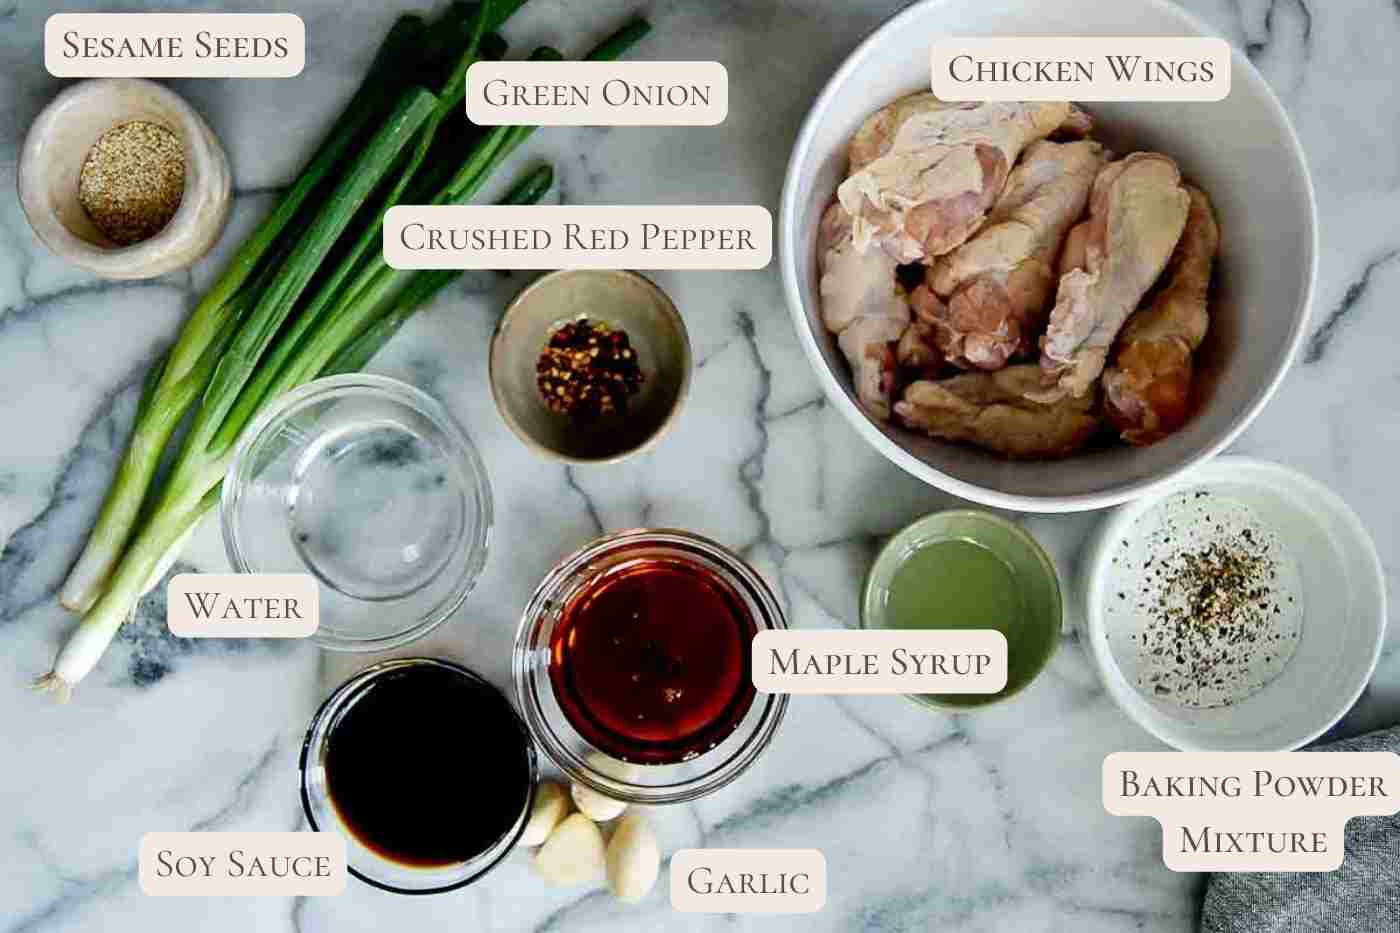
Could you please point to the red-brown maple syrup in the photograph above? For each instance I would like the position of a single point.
(650, 660)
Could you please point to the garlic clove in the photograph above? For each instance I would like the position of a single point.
(596, 806)
(633, 858)
(551, 805)
(573, 853)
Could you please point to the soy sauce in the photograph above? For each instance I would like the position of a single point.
(650, 661)
(429, 766)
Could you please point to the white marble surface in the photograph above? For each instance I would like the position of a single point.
(981, 822)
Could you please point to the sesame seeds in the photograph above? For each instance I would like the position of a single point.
(132, 181)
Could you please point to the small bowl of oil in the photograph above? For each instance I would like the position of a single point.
(966, 569)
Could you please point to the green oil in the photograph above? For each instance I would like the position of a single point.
(957, 583)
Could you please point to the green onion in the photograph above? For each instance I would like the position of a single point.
(175, 389)
(423, 287)
(289, 346)
(198, 468)
(253, 338)
(378, 280)
(619, 42)
(410, 42)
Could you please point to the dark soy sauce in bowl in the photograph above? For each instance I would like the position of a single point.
(429, 766)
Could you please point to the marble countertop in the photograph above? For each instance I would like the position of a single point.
(989, 821)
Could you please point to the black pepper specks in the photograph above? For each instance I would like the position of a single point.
(1209, 583)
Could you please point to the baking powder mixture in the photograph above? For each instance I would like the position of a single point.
(1203, 604)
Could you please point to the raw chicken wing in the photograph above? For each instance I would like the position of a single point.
(875, 136)
(992, 411)
(864, 304)
(1136, 214)
(997, 285)
(937, 170)
(1147, 389)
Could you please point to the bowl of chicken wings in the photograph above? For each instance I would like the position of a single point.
(1040, 305)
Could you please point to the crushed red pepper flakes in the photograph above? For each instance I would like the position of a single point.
(587, 370)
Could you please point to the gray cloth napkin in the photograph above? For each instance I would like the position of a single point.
(1363, 896)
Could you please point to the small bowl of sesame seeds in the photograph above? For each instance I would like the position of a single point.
(590, 365)
(121, 177)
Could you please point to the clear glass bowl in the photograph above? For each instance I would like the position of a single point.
(565, 746)
(370, 486)
(365, 863)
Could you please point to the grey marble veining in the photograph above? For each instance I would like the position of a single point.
(972, 822)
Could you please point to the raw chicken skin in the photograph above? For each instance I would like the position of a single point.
(869, 347)
(992, 411)
(997, 285)
(934, 181)
(875, 136)
(918, 348)
(1147, 389)
(864, 304)
(1072, 253)
(1136, 214)
(1078, 124)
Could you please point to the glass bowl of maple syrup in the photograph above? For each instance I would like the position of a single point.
(632, 666)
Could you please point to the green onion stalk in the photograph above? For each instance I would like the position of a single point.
(179, 504)
(330, 344)
(422, 288)
(259, 350)
(180, 379)
(181, 508)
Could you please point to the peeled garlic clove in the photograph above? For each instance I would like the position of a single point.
(594, 805)
(634, 859)
(573, 853)
(551, 805)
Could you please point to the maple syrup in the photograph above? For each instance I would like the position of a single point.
(650, 661)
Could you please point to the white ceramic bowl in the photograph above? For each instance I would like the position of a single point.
(1343, 596)
(1241, 150)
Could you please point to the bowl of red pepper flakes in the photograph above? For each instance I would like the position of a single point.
(589, 365)
(588, 370)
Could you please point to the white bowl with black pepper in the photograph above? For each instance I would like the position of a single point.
(121, 177)
(1242, 608)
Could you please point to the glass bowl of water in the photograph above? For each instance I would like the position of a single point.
(370, 486)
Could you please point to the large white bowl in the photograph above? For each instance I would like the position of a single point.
(1242, 151)
(1343, 596)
